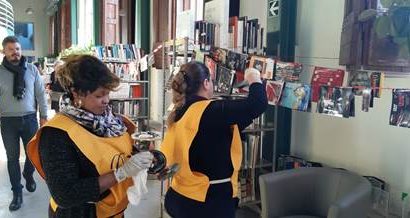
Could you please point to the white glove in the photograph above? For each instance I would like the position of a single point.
(252, 75)
(136, 163)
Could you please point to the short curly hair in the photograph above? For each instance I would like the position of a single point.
(85, 74)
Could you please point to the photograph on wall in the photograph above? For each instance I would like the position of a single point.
(274, 91)
(376, 82)
(400, 109)
(25, 34)
(325, 76)
(366, 100)
(336, 101)
(296, 96)
(359, 80)
(287, 71)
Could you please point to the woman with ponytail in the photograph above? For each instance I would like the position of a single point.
(203, 137)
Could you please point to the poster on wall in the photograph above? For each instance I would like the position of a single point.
(24, 31)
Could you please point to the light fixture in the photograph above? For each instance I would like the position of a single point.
(29, 11)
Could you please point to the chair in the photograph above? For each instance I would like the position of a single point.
(314, 193)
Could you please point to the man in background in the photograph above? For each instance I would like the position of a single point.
(21, 92)
(56, 90)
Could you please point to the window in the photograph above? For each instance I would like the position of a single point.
(85, 22)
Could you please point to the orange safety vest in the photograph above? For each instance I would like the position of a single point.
(176, 144)
(102, 156)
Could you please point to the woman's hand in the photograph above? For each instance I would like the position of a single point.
(136, 163)
(252, 75)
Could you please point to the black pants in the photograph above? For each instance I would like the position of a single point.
(12, 129)
(218, 204)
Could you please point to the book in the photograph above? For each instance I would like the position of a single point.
(296, 96)
(212, 66)
(274, 91)
(287, 71)
(325, 76)
(236, 61)
(122, 91)
(225, 79)
(258, 63)
(219, 55)
(400, 109)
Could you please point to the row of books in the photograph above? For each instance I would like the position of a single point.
(118, 52)
(246, 186)
(127, 108)
(251, 151)
(245, 35)
(125, 71)
(206, 35)
(128, 91)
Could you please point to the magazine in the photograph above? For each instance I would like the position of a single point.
(236, 61)
(225, 80)
(274, 91)
(400, 110)
(288, 72)
(359, 80)
(325, 76)
(376, 82)
(336, 101)
(259, 63)
(296, 96)
(212, 66)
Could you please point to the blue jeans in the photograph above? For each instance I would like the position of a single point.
(12, 129)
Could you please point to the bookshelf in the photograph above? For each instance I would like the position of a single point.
(175, 53)
(132, 97)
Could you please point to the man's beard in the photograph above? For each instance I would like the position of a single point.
(14, 60)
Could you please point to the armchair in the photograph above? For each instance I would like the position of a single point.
(314, 193)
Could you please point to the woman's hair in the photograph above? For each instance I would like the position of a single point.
(85, 74)
(186, 83)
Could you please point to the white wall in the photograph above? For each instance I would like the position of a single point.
(40, 20)
(366, 143)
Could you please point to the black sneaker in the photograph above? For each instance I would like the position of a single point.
(16, 202)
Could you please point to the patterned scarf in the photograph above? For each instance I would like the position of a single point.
(104, 125)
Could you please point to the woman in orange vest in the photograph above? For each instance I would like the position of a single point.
(84, 152)
(203, 137)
